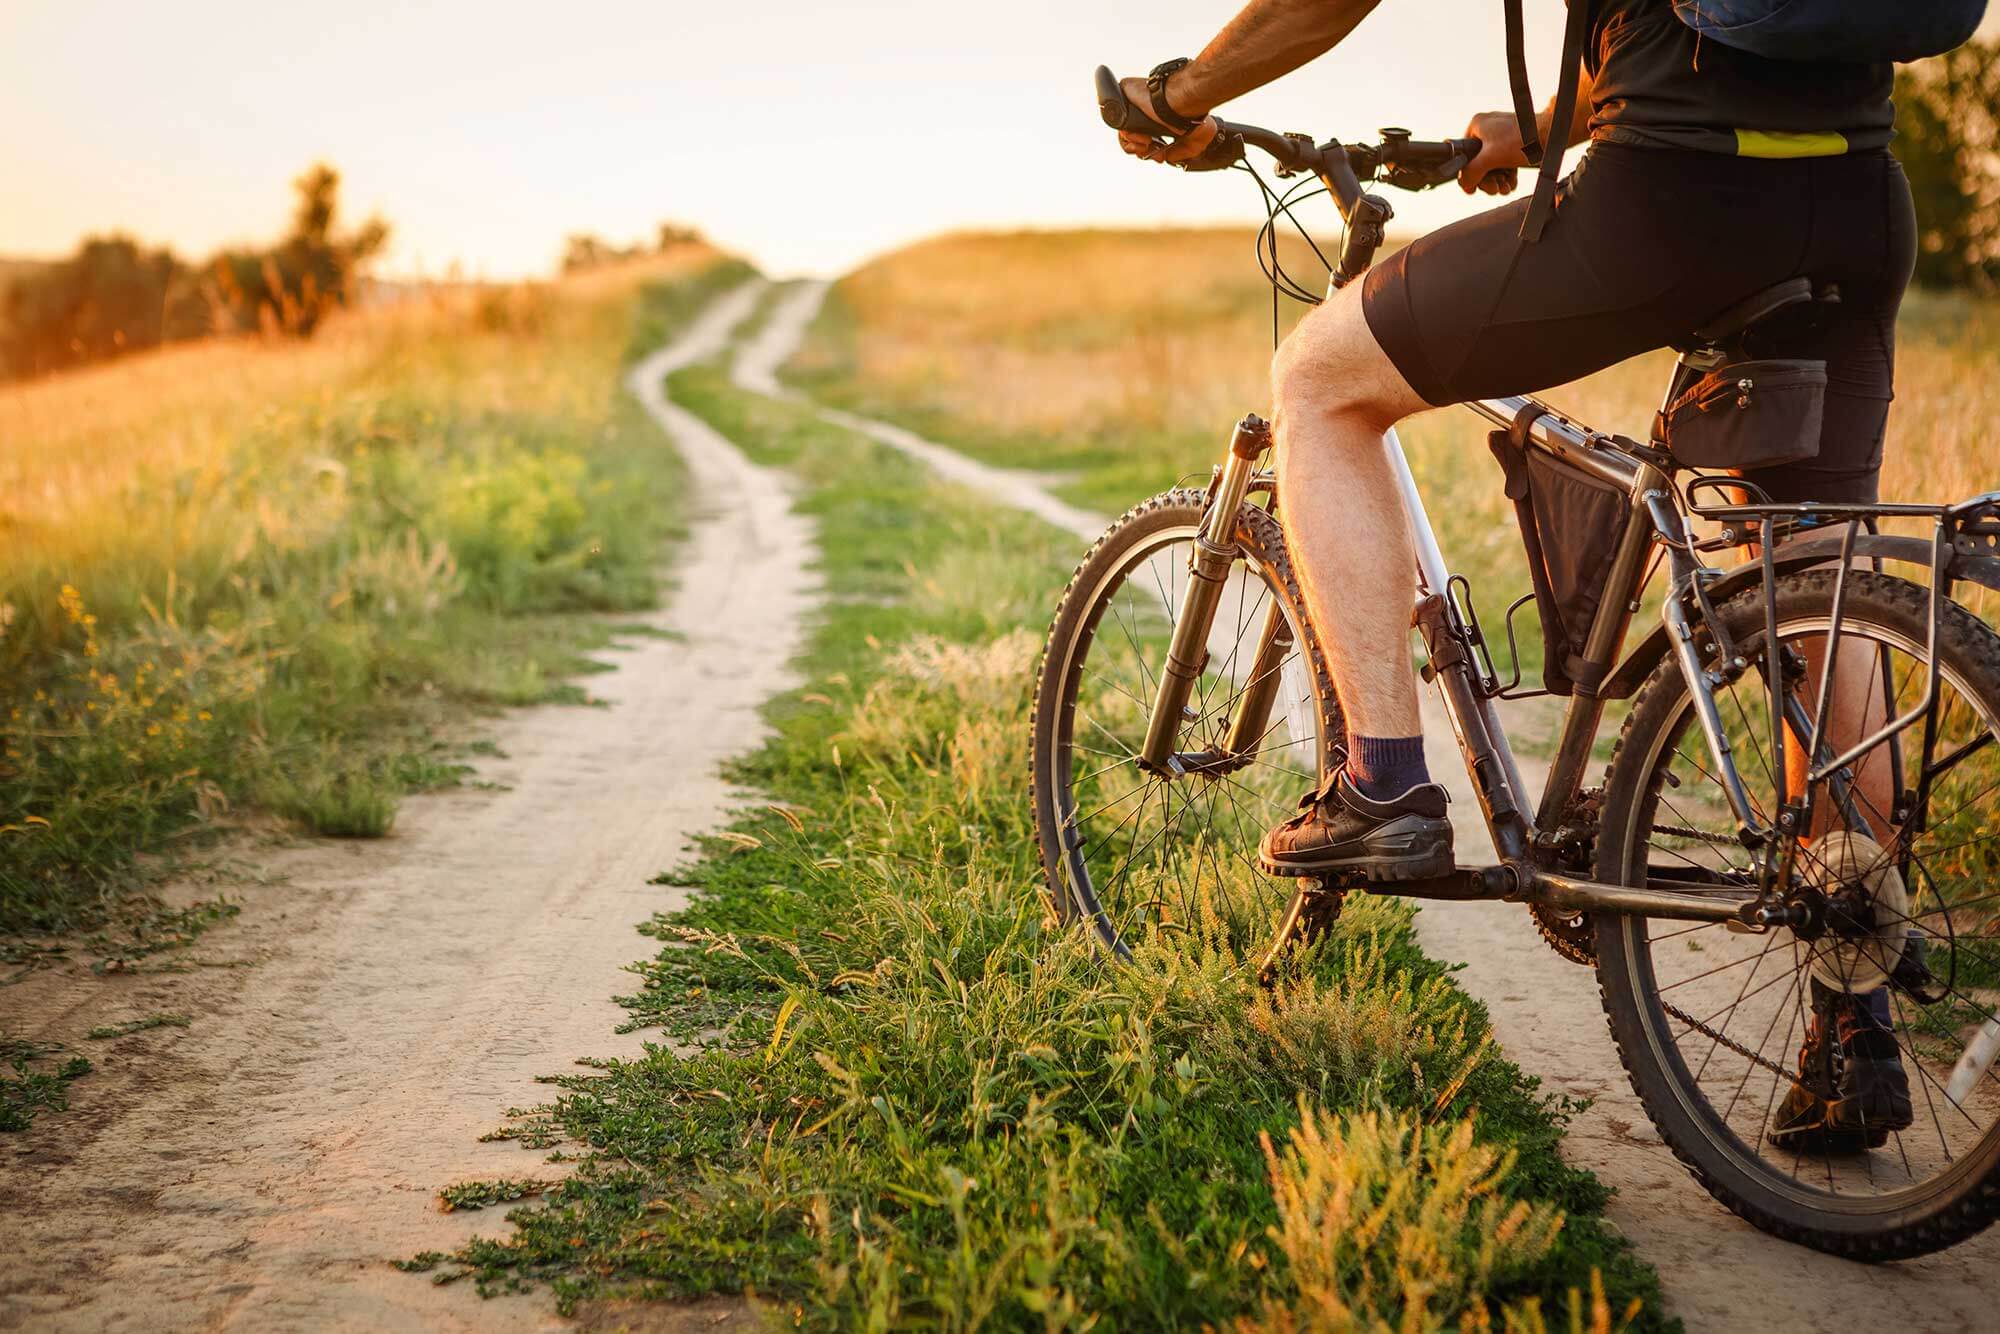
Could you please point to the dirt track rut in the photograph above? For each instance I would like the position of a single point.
(256, 1170)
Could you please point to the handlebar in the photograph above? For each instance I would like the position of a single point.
(1398, 160)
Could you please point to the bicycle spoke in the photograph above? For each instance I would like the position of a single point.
(1715, 1043)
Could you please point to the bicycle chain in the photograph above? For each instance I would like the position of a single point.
(1731, 1043)
(1698, 835)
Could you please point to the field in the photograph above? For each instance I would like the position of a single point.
(1123, 357)
(257, 587)
(266, 584)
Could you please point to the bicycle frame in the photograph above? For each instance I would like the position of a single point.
(1520, 831)
(1526, 835)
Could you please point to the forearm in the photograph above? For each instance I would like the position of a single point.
(1267, 40)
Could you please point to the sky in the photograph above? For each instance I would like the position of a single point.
(807, 135)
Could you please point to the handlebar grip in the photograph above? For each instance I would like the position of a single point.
(1467, 148)
(1118, 111)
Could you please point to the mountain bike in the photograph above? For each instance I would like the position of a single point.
(1764, 850)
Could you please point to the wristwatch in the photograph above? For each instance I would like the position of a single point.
(1156, 88)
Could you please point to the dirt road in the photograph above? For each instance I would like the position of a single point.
(1719, 1273)
(255, 1170)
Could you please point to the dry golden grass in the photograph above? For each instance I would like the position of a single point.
(1123, 357)
(1066, 333)
(81, 452)
(1043, 332)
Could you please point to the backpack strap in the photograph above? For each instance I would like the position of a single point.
(1517, 78)
(1574, 31)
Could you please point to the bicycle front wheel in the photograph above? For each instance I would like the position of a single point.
(1135, 853)
(1831, 1083)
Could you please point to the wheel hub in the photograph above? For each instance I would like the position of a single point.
(1865, 912)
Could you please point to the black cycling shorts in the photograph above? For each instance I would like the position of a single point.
(1646, 245)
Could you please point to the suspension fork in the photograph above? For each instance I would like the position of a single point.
(1215, 550)
(1253, 708)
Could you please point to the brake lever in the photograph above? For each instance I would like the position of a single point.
(1423, 178)
(1223, 151)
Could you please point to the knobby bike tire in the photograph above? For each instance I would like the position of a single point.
(1958, 1202)
(1083, 604)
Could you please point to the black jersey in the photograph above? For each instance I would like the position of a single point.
(1657, 84)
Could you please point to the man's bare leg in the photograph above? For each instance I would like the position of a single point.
(1335, 393)
(1349, 535)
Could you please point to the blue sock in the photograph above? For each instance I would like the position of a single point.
(1385, 767)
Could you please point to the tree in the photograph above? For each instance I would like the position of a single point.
(673, 235)
(584, 250)
(311, 271)
(112, 296)
(1947, 128)
(587, 250)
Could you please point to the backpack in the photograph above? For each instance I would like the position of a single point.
(1835, 30)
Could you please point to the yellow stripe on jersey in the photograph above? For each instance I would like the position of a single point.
(1788, 143)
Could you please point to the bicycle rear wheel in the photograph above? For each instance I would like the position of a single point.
(1803, 1136)
(1135, 853)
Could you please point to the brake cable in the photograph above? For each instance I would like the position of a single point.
(1266, 246)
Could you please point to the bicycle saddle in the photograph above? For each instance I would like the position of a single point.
(1733, 323)
(1749, 313)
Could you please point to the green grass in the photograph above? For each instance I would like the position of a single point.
(131, 1026)
(899, 1096)
(39, 1080)
(355, 574)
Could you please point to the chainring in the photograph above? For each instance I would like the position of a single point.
(1574, 934)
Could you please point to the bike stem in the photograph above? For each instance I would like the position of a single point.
(1215, 551)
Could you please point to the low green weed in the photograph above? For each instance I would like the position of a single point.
(39, 1083)
(131, 1026)
(481, 1194)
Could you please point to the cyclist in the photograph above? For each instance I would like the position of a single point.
(1711, 175)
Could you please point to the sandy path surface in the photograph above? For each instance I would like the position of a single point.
(1719, 1273)
(256, 1169)
(756, 370)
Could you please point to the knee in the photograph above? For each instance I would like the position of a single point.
(1315, 374)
